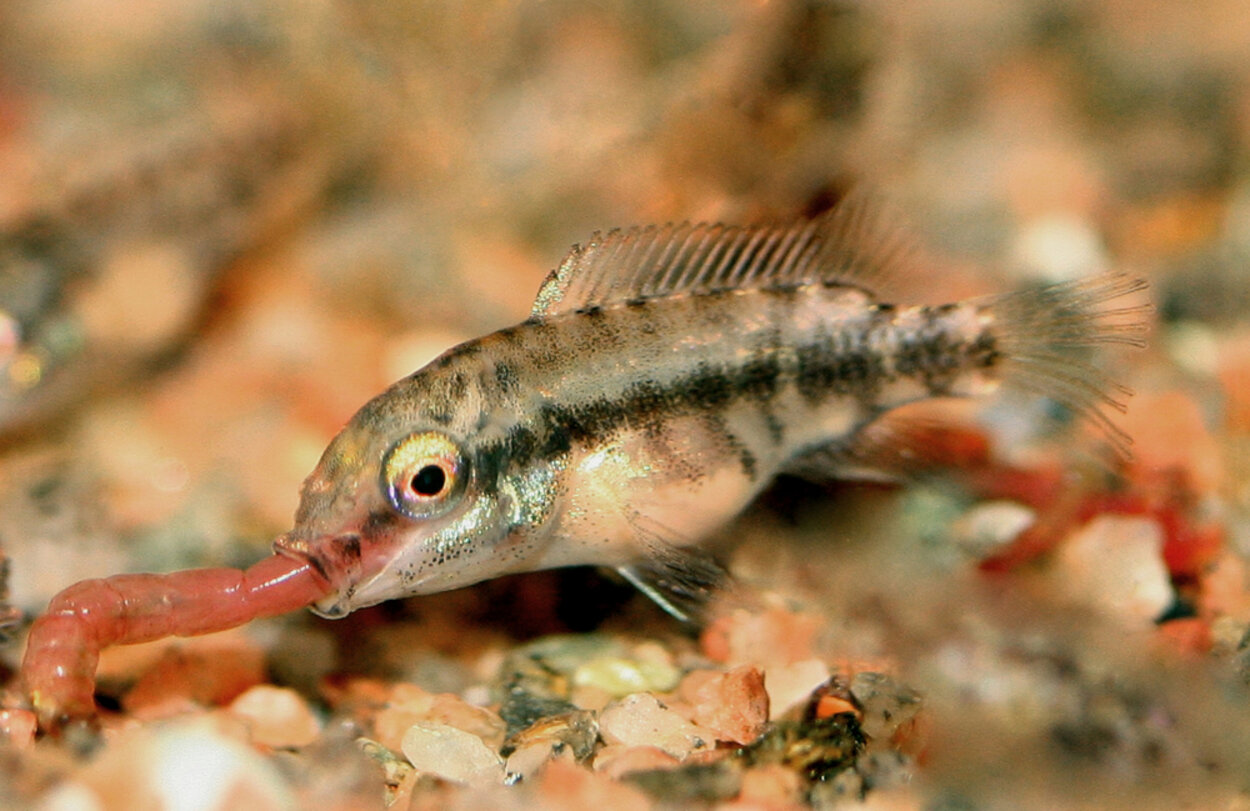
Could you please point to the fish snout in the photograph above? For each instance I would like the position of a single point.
(336, 557)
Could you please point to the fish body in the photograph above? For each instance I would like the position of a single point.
(663, 379)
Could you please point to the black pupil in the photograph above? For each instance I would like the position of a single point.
(429, 481)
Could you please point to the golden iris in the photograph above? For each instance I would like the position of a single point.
(423, 473)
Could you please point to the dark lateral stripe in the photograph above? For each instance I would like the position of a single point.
(645, 406)
(843, 363)
(825, 367)
(760, 376)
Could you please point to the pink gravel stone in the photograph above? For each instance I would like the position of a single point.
(790, 685)
(207, 671)
(765, 638)
(1171, 436)
(618, 759)
(276, 716)
(17, 727)
(733, 705)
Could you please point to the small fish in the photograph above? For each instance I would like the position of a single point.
(664, 377)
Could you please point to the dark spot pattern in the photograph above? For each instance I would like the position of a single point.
(709, 387)
(818, 362)
(776, 428)
(761, 375)
(457, 385)
(984, 352)
(347, 550)
(935, 355)
(506, 377)
(510, 335)
(746, 459)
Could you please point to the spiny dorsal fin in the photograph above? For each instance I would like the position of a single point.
(853, 244)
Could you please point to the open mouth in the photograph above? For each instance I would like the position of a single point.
(334, 606)
(338, 570)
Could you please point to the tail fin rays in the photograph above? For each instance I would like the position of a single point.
(1047, 334)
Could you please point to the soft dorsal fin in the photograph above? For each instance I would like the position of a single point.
(853, 244)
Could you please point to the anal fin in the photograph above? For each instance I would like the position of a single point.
(899, 446)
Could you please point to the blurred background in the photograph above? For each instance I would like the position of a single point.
(225, 225)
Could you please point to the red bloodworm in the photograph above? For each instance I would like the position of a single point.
(63, 648)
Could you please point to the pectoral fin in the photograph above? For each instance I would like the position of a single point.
(680, 579)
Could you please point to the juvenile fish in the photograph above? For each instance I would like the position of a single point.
(663, 378)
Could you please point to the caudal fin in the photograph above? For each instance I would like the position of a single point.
(1047, 334)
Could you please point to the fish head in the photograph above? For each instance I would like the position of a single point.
(396, 507)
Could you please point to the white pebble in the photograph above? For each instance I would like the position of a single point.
(276, 716)
(792, 684)
(1194, 347)
(195, 768)
(70, 796)
(640, 720)
(1059, 247)
(987, 527)
(451, 754)
(1115, 563)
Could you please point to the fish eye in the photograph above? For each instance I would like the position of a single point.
(429, 481)
(423, 473)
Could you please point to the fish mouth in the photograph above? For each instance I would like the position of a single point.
(339, 572)
(361, 593)
(334, 607)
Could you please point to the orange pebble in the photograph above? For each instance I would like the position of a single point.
(1234, 372)
(772, 636)
(355, 694)
(1170, 434)
(1189, 635)
(829, 706)
(733, 705)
